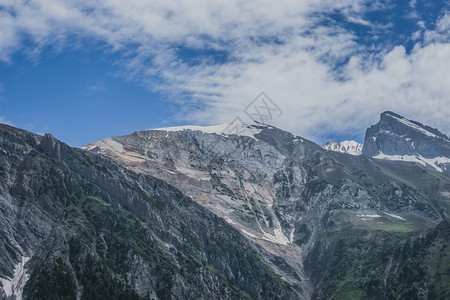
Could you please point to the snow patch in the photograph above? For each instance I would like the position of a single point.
(445, 194)
(415, 126)
(433, 162)
(395, 216)
(349, 147)
(225, 129)
(369, 216)
(291, 236)
(296, 140)
(13, 287)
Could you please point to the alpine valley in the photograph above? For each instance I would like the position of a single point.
(233, 211)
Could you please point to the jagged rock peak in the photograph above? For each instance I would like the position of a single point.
(389, 116)
(53, 147)
(397, 138)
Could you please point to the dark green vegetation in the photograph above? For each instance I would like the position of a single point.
(102, 232)
(357, 263)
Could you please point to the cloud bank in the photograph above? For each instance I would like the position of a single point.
(330, 75)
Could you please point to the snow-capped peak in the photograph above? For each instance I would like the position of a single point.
(236, 127)
(349, 147)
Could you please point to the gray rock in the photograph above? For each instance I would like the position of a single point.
(395, 135)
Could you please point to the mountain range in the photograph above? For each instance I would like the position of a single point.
(397, 138)
(212, 213)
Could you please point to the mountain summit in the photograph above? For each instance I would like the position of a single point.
(397, 138)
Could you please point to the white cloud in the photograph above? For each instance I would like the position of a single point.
(278, 47)
(442, 31)
(3, 120)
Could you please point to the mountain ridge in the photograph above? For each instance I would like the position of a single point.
(187, 213)
(91, 228)
(283, 192)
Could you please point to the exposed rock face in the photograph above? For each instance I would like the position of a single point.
(396, 138)
(286, 194)
(395, 135)
(75, 225)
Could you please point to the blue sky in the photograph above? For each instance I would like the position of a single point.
(84, 70)
(78, 96)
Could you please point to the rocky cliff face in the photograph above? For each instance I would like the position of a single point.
(75, 225)
(296, 202)
(396, 138)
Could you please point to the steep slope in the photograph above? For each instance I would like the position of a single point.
(397, 138)
(351, 262)
(349, 147)
(283, 193)
(75, 225)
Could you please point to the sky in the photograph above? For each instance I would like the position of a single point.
(84, 70)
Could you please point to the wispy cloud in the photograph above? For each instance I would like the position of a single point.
(96, 87)
(3, 120)
(316, 71)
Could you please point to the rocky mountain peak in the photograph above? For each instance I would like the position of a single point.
(396, 138)
(52, 147)
(392, 118)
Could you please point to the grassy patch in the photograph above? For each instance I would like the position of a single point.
(384, 223)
